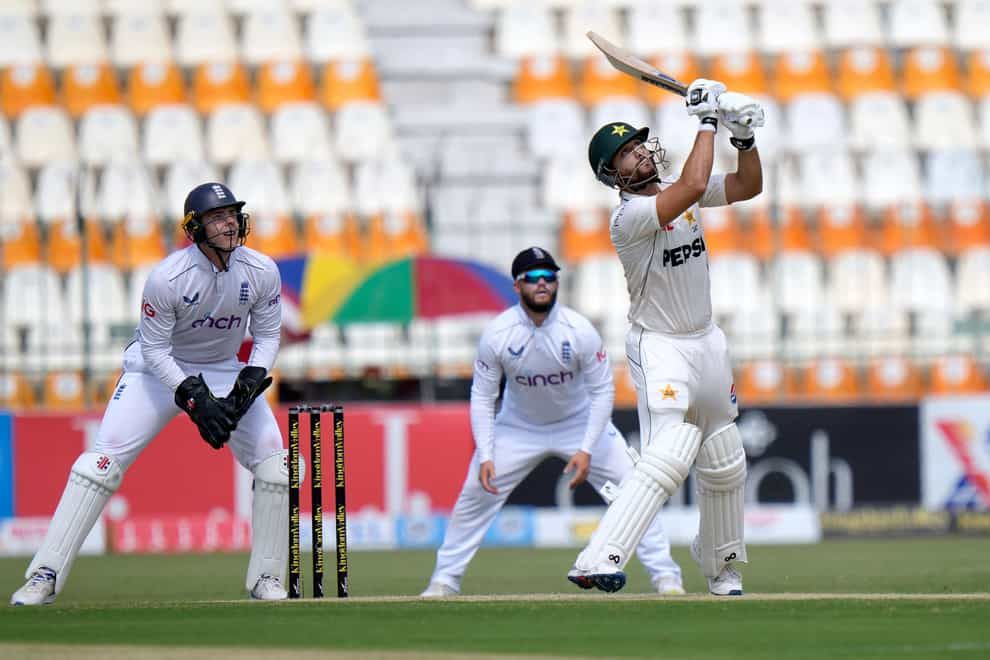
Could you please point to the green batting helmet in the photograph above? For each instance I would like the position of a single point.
(607, 142)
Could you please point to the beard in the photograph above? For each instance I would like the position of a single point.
(539, 308)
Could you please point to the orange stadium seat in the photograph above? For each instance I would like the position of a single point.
(893, 379)
(722, 233)
(978, 73)
(274, 234)
(347, 81)
(25, 85)
(284, 82)
(625, 390)
(764, 381)
(137, 242)
(929, 69)
(542, 77)
(20, 243)
(761, 235)
(862, 70)
(65, 246)
(334, 232)
(154, 83)
(741, 72)
(795, 74)
(102, 387)
(16, 391)
(956, 374)
(841, 228)
(394, 235)
(793, 230)
(584, 233)
(64, 390)
(219, 83)
(682, 66)
(908, 225)
(86, 85)
(831, 380)
(599, 81)
(969, 224)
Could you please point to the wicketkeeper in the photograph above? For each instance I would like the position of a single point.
(557, 402)
(197, 305)
(677, 355)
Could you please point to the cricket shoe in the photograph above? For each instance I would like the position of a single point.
(668, 584)
(604, 578)
(268, 587)
(580, 578)
(38, 590)
(728, 582)
(438, 590)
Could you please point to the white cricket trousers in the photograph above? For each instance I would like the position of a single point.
(519, 448)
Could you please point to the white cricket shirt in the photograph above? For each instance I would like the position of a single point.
(553, 372)
(195, 313)
(666, 267)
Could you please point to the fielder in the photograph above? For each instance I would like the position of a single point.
(196, 308)
(557, 402)
(677, 355)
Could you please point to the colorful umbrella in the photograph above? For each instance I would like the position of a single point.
(333, 289)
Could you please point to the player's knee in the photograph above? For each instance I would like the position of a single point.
(275, 469)
(668, 459)
(722, 461)
(98, 469)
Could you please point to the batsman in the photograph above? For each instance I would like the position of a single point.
(197, 305)
(677, 356)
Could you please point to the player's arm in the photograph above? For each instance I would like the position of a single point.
(266, 331)
(484, 393)
(740, 114)
(702, 102)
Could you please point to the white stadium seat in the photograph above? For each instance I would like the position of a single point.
(736, 280)
(944, 120)
(645, 20)
(263, 185)
(787, 25)
(172, 132)
(334, 33)
(554, 126)
(816, 121)
(15, 193)
(917, 23)
(70, 7)
(234, 132)
(890, 176)
(75, 39)
(852, 23)
(984, 112)
(857, 280)
(879, 119)
(721, 26)
(138, 38)
(956, 174)
(126, 190)
(362, 130)
(269, 36)
(20, 41)
(523, 29)
(584, 16)
(44, 134)
(319, 187)
(107, 132)
(300, 131)
(920, 281)
(972, 274)
(32, 295)
(971, 25)
(204, 36)
(796, 282)
(828, 176)
(107, 296)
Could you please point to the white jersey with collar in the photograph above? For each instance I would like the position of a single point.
(666, 267)
(194, 313)
(554, 371)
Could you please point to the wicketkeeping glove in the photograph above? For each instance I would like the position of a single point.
(250, 383)
(740, 114)
(702, 99)
(205, 410)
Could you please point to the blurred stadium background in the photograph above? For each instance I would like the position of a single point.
(855, 290)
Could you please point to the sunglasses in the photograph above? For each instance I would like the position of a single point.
(534, 276)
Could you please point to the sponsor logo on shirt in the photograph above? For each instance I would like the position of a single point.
(191, 301)
(147, 309)
(732, 394)
(516, 353)
(669, 392)
(275, 300)
(539, 380)
(565, 351)
(601, 354)
(482, 365)
(222, 323)
(679, 255)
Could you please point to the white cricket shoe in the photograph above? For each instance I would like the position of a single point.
(728, 582)
(38, 590)
(668, 584)
(439, 590)
(268, 587)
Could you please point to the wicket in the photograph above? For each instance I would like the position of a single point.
(316, 489)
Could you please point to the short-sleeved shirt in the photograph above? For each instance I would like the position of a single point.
(666, 267)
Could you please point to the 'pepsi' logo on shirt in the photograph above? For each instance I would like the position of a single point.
(545, 379)
(680, 254)
(223, 323)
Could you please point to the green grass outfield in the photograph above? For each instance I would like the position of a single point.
(841, 599)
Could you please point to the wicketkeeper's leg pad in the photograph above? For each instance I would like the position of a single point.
(94, 477)
(270, 519)
(721, 480)
(659, 472)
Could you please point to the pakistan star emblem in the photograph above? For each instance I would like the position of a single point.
(669, 393)
(619, 129)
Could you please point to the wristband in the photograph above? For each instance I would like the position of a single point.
(708, 124)
(743, 144)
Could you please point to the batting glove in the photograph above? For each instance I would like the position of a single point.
(702, 101)
(740, 114)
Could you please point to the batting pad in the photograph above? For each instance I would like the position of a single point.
(270, 519)
(721, 477)
(92, 480)
(659, 472)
